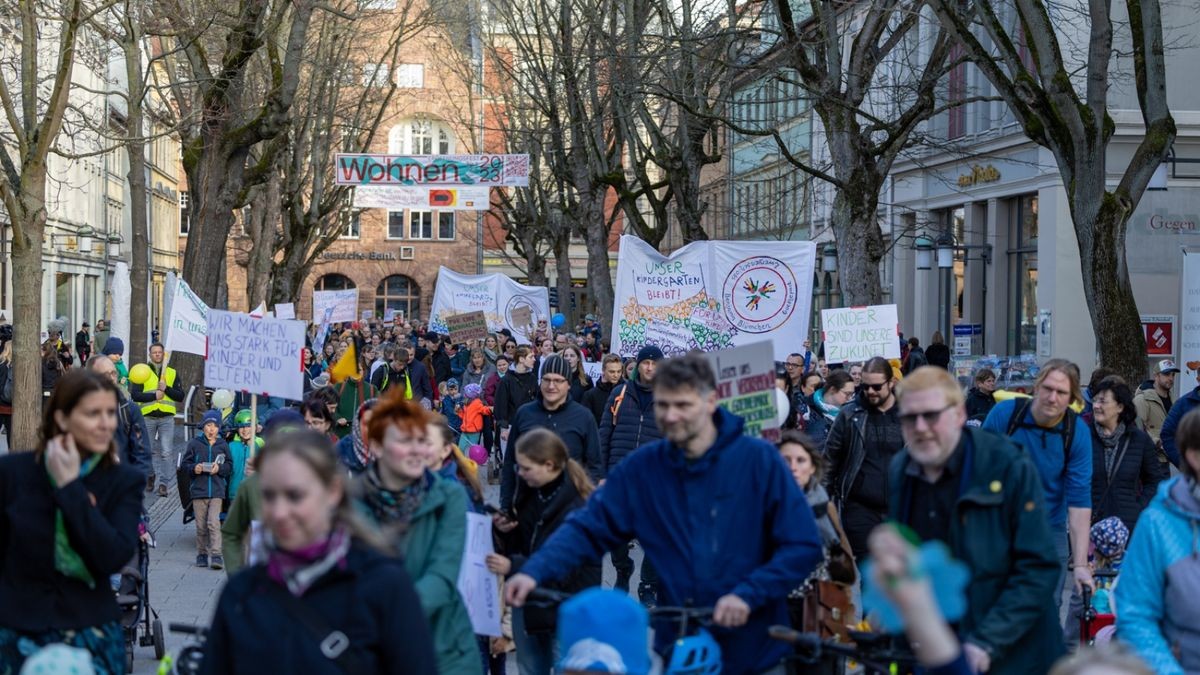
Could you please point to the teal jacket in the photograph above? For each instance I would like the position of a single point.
(432, 548)
(1000, 531)
(239, 456)
(1157, 609)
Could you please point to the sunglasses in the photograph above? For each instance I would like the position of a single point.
(931, 417)
(874, 387)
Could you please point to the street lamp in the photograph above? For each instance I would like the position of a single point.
(114, 245)
(945, 251)
(85, 238)
(923, 245)
(829, 257)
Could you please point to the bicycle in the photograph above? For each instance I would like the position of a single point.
(190, 657)
(879, 654)
(694, 650)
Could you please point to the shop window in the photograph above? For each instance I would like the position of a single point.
(334, 282)
(399, 293)
(1023, 271)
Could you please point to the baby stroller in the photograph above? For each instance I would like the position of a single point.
(138, 619)
(1109, 537)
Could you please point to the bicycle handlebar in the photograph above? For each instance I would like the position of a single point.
(868, 648)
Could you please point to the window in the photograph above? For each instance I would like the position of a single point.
(420, 224)
(444, 145)
(398, 293)
(1023, 270)
(395, 225)
(185, 214)
(375, 74)
(410, 75)
(446, 225)
(334, 282)
(183, 199)
(420, 138)
(956, 91)
(352, 225)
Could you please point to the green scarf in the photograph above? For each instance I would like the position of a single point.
(66, 560)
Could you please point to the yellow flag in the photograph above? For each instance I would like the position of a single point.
(347, 366)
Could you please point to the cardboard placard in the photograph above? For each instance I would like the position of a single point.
(285, 310)
(522, 316)
(261, 356)
(746, 386)
(467, 327)
(859, 333)
(479, 588)
(344, 304)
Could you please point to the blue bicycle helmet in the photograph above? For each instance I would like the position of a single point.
(697, 654)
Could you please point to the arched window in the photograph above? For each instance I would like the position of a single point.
(421, 136)
(399, 293)
(334, 282)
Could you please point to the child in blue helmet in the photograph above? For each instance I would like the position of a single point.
(604, 631)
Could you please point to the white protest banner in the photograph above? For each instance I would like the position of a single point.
(261, 356)
(122, 291)
(187, 325)
(260, 311)
(344, 304)
(400, 197)
(746, 386)
(479, 588)
(859, 333)
(322, 332)
(432, 170)
(497, 296)
(285, 310)
(712, 295)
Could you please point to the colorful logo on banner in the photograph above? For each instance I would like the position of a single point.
(759, 294)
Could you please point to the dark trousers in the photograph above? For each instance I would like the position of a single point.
(623, 562)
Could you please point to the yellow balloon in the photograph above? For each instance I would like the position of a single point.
(140, 373)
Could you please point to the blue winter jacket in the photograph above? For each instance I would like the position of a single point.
(206, 485)
(132, 439)
(733, 521)
(632, 427)
(1156, 597)
(1183, 406)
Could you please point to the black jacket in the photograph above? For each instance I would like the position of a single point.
(571, 422)
(999, 530)
(101, 512)
(938, 355)
(845, 448)
(515, 390)
(633, 426)
(536, 521)
(596, 398)
(441, 366)
(1134, 480)
(979, 404)
(132, 438)
(371, 600)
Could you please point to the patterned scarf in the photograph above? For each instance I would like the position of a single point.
(298, 570)
(66, 560)
(361, 452)
(829, 410)
(392, 508)
(1109, 443)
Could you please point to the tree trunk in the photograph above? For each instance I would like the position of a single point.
(27, 316)
(859, 244)
(1115, 319)
(139, 272)
(595, 237)
(264, 224)
(562, 269)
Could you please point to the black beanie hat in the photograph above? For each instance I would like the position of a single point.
(557, 365)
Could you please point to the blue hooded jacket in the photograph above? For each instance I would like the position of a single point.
(732, 521)
(1183, 405)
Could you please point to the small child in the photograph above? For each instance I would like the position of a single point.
(452, 405)
(472, 416)
(240, 454)
(206, 459)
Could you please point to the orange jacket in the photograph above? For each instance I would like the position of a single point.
(472, 416)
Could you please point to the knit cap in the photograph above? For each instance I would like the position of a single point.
(114, 346)
(472, 391)
(1110, 536)
(210, 416)
(556, 365)
(650, 352)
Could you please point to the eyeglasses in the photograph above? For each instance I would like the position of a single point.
(554, 381)
(931, 417)
(874, 387)
(793, 365)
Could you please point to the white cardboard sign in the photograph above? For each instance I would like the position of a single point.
(859, 333)
(261, 356)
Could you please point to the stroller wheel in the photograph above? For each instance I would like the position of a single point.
(128, 658)
(156, 630)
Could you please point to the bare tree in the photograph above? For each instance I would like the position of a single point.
(39, 59)
(1061, 100)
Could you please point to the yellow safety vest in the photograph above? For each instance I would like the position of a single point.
(165, 405)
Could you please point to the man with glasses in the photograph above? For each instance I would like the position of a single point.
(861, 443)
(979, 494)
(555, 411)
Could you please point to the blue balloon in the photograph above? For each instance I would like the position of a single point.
(948, 576)
(558, 320)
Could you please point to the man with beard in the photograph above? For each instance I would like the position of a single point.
(864, 438)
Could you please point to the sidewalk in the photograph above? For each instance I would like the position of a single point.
(179, 591)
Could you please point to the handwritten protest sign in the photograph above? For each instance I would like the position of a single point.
(187, 323)
(261, 356)
(466, 327)
(859, 333)
(522, 316)
(285, 310)
(367, 315)
(344, 304)
(478, 587)
(389, 314)
(746, 386)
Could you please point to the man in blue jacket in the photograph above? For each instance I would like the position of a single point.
(717, 513)
(1183, 406)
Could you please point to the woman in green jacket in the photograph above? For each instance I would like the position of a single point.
(427, 518)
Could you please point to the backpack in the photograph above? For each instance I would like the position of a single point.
(1017, 421)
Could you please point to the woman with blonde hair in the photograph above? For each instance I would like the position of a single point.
(550, 486)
